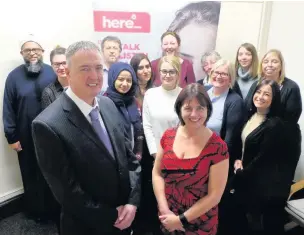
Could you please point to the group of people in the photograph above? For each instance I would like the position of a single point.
(146, 146)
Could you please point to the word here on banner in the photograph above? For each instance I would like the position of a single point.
(116, 21)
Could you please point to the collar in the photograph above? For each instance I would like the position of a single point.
(58, 86)
(83, 106)
(213, 97)
(105, 68)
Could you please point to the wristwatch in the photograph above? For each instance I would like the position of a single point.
(184, 220)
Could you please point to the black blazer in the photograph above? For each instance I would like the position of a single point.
(233, 121)
(237, 89)
(291, 109)
(85, 179)
(264, 162)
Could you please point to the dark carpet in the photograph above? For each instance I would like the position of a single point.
(18, 224)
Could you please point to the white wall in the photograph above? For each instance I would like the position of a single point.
(65, 21)
(54, 22)
(286, 34)
(233, 30)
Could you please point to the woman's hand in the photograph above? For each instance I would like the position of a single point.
(171, 222)
(238, 165)
(165, 211)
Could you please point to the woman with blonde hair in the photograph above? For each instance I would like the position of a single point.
(158, 115)
(246, 67)
(228, 115)
(158, 105)
(227, 121)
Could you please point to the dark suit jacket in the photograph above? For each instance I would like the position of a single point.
(233, 120)
(264, 162)
(51, 93)
(86, 180)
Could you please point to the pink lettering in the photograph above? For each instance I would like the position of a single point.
(131, 47)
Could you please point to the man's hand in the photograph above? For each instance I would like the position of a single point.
(16, 146)
(119, 209)
(126, 215)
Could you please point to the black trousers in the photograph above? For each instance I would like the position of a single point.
(251, 215)
(39, 202)
(146, 220)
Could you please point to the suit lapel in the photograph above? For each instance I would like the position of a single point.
(79, 120)
(256, 131)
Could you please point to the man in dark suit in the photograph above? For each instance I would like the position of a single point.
(86, 158)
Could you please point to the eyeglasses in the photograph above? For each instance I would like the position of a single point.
(34, 50)
(170, 72)
(223, 75)
(58, 64)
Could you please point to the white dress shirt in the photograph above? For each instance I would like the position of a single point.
(84, 107)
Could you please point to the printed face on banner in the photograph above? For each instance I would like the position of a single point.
(140, 31)
(193, 49)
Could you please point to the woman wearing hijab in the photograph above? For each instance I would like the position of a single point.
(121, 90)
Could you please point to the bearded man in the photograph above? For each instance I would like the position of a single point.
(21, 104)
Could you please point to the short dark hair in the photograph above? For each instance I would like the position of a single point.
(113, 39)
(191, 91)
(199, 12)
(57, 51)
(275, 106)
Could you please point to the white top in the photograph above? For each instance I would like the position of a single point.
(158, 114)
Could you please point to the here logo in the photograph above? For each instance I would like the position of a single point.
(126, 22)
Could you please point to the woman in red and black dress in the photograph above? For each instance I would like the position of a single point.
(191, 168)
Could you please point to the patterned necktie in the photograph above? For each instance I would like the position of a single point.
(100, 130)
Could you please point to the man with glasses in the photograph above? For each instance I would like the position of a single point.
(54, 90)
(21, 104)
